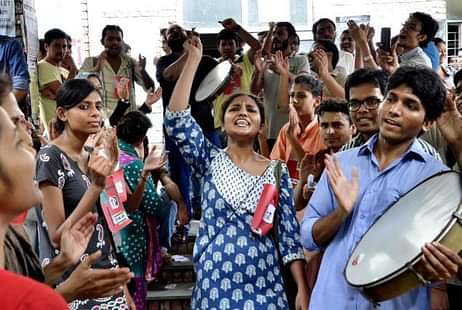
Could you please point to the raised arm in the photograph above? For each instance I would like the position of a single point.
(172, 72)
(180, 96)
(257, 78)
(450, 125)
(282, 67)
(360, 35)
(268, 41)
(231, 24)
(321, 62)
(142, 77)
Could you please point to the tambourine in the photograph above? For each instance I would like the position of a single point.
(214, 81)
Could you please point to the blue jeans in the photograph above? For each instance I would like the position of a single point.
(166, 219)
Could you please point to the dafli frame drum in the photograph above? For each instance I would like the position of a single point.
(214, 81)
(387, 261)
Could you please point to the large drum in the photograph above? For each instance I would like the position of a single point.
(387, 261)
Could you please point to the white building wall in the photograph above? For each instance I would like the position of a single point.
(383, 13)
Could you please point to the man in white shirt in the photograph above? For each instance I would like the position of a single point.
(325, 29)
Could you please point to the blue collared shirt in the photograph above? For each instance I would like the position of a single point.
(13, 62)
(378, 190)
(433, 53)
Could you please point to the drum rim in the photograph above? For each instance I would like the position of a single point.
(413, 261)
(222, 84)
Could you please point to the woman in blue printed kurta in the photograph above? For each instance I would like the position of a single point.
(139, 242)
(236, 268)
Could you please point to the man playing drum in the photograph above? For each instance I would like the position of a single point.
(348, 201)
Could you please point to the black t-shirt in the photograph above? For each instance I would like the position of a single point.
(202, 112)
(55, 167)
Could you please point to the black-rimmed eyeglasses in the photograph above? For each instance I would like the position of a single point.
(371, 103)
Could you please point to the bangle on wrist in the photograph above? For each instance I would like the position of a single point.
(367, 58)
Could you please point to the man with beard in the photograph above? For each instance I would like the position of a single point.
(267, 75)
(115, 67)
(50, 73)
(168, 70)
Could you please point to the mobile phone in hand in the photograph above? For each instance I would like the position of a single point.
(385, 38)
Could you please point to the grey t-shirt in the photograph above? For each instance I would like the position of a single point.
(276, 118)
(415, 57)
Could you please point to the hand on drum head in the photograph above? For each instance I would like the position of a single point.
(439, 262)
(345, 191)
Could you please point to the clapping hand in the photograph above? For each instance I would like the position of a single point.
(155, 160)
(258, 61)
(293, 130)
(75, 238)
(281, 63)
(229, 24)
(345, 191)
(123, 88)
(320, 61)
(86, 282)
(358, 32)
(153, 96)
(141, 62)
(450, 121)
(312, 164)
(104, 157)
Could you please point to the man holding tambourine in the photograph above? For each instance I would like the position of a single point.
(347, 202)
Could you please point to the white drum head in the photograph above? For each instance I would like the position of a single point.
(214, 80)
(397, 236)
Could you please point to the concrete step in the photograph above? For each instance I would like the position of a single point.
(170, 292)
(173, 264)
(176, 272)
(169, 305)
(183, 248)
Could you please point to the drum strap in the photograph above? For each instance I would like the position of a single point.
(419, 276)
(458, 213)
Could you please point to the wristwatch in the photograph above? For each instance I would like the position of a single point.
(311, 183)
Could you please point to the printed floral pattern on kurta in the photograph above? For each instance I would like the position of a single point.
(235, 267)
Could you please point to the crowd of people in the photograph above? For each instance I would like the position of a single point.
(287, 166)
